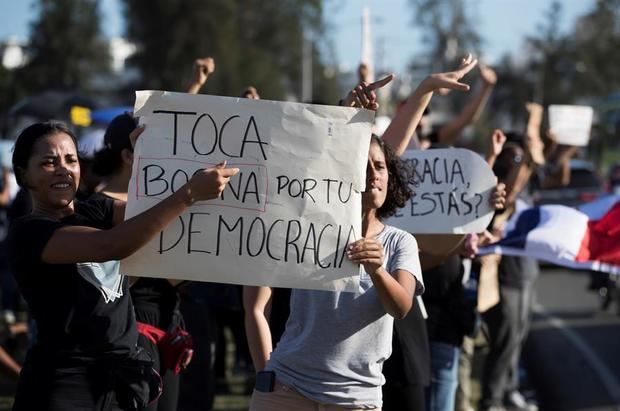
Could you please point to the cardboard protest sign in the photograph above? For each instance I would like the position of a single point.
(571, 124)
(452, 188)
(284, 220)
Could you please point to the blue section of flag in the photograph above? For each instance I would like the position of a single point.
(527, 221)
(106, 115)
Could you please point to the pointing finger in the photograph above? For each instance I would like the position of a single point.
(381, 83)
(229, 172)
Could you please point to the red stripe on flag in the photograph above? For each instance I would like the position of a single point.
(601, 241)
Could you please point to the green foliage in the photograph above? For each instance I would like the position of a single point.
(66, 48)
(597, 49)
(449, 28)
(253, 43)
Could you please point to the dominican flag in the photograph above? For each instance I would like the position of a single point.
(584, 238)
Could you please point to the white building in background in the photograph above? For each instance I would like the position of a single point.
(120, 51)
(13, 53)
(121, 74)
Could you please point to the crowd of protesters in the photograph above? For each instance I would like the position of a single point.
(97, 340)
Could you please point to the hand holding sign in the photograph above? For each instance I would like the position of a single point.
(368, 252)
(364, 95)
(209, 183)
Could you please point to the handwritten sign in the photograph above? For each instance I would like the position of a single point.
(452, 188)
(284, 220)
(571, 124)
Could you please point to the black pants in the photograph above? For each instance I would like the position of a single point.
(403, 397)
(507, 324)
(77, 388)
(169, 399)
(197, 390)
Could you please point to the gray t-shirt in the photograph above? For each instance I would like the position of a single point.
(335, 343)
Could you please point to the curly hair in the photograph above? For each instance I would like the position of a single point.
(400, 174)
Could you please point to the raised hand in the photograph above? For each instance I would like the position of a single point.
(209, 183)
(202, 69)
(498, 198)
(487, 74)
(450, 80)
(364, 96)
(368, 252)
(251, 93)
(498, 139)
(469, 246)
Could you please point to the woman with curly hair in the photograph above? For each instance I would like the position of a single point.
(335, 343)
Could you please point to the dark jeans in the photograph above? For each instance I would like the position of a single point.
(507, 324)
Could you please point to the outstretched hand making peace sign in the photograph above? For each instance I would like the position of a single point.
(450, 80)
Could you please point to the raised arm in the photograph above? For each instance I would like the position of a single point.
(403, 126)
(472, 111)
(533, 140)
(498, 139)
(203, 68)
(257, 309)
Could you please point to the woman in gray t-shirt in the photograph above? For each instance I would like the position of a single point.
(335, 343)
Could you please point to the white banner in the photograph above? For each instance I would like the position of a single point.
(284, 220)
(452, 188)
(571, 124)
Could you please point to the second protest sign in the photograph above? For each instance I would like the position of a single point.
(451, 192)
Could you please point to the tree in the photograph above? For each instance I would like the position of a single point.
(66, 47)
(253, 42)
(448, 30)
(597, 49)
(552, 60)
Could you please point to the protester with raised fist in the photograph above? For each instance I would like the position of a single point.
(203, 68)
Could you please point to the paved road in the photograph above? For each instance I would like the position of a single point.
(573, 350)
